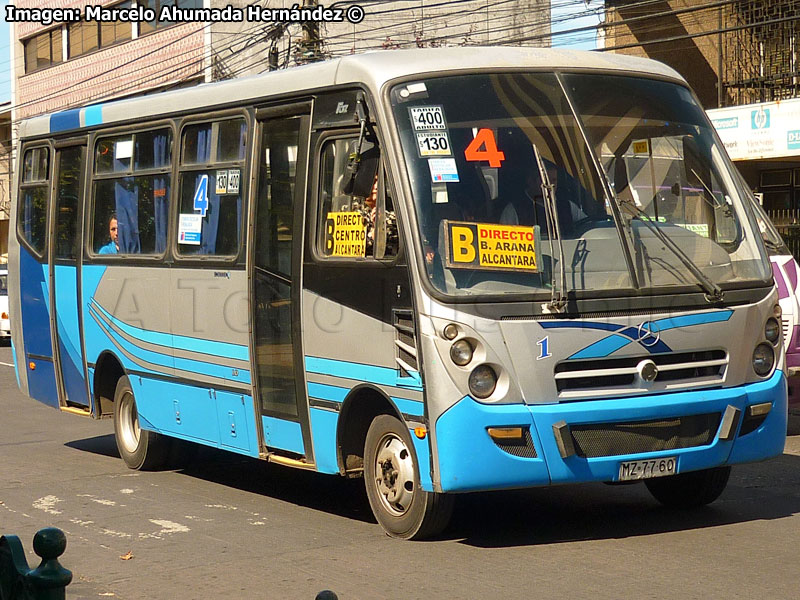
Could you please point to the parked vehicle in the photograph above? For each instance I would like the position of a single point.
(5, 322)
(786, 271)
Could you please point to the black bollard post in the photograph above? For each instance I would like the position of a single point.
(48, 581)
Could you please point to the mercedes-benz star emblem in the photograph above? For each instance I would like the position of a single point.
(648, 334)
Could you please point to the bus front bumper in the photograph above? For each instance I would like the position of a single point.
(588, 440)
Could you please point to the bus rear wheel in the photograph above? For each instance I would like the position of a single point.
(688, 490)
(139, 448)
(391, 475)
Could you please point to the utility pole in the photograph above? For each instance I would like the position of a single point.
(310, 47)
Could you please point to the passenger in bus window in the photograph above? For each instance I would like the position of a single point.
(112, 247)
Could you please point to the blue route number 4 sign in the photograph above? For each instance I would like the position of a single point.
(201, 196)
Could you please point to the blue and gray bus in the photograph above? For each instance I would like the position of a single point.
(440, 270)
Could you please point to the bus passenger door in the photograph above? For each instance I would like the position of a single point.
(275, 275)
(65, 298)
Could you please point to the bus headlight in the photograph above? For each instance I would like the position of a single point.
(482, 381)
(461, 352)
(450, 331)
(763, 359)
(772, 331)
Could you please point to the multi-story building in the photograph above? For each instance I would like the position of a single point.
(70, 63)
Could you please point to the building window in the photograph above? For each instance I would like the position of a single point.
(83, 37)
(43, 50)
(157, 6)
(86, 36)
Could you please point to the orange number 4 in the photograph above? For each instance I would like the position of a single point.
(483, 147)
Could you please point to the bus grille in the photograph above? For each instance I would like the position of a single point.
(575, 378)
(614, 439)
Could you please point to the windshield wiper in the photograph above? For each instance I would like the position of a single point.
(713, 292)
(558, 298)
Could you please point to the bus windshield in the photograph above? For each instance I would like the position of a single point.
(509, 199)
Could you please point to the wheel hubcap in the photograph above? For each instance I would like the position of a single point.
(129, 423)
(394, 474)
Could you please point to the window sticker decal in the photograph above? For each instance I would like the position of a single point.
(427, 117)
(345, 234)
(234, 175)
(433, 143)
(641, 147)
(487, 246)
(222, 181)
(190, 227)
(200, 201)
(483, 147)
(443, 170)
(123, 150)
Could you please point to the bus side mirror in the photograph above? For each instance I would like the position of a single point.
(362, 170)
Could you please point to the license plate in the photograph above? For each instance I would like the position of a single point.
(632, 470)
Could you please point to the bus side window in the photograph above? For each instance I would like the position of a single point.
(33, 198)
(351, 226)
(131, 190)
(212, 182)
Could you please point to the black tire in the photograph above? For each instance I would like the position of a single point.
(688, 490)
(391, 475)
(140, 449)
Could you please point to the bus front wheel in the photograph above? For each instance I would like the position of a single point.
(688, 490)
(139, 448)
(391, 475)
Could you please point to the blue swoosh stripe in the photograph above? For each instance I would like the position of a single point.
(359, 371)
(580, 325)
(179, 342)
(167, 361)
(614, 342)
(689, 320)
(604, 347)
(335, 393)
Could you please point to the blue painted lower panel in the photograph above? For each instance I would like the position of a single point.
(422, 448)
(35, 321)
(283, 435)
(469, 460)
(323, 432)
(42, 381)
(220, 419)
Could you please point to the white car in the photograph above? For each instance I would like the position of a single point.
(5, 324)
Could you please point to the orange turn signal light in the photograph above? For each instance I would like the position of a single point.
(505, 433)
(420, 432)
(32, 366)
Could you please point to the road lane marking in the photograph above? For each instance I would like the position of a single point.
(6, 364)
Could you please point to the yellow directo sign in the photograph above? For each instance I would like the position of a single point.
(345, 234)
(489, 246)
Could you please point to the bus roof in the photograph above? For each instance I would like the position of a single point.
(372, 68)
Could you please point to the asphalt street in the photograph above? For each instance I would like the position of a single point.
(233, 527)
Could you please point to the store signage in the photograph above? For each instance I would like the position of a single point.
(758, 131)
